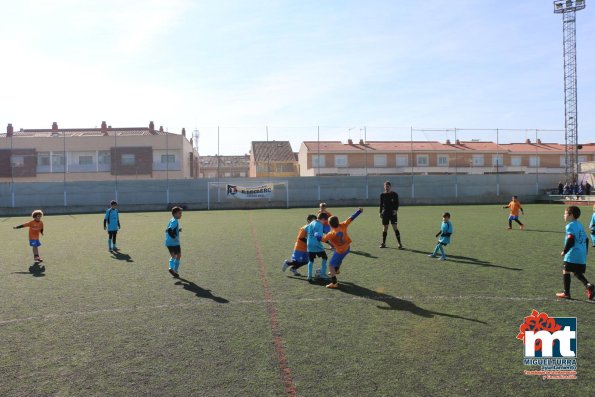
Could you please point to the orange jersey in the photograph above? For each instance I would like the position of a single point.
(300, 245)
(339, 237)
(34, 229)
(514, 206)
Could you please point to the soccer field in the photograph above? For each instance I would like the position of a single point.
(401, 324)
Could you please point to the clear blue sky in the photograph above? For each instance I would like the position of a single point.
(292, 66)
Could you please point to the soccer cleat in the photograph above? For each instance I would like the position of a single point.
(590, 292)
(509, 228)
(401, 247)
(332, 285)
(563, 295)
(115, 248)
(284, 266)
(37, 259)
(522, 227)
(174, 273)
(431, 256)
(442, 258)
(382, 245)
(294, 271)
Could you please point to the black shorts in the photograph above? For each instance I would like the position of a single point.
(112, 233)
(313, 255)
(574, 267)
(388, 217)
(174, 249)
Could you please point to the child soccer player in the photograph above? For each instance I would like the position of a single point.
(575, 253)
(35, 228)
(515, 206)
(111, 223)
(299, 257)
(592, 227)
(341, 241)
(444, 237)
(172, 241)
(326, 228)
(315, 248)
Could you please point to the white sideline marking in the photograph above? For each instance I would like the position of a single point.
(379, 298)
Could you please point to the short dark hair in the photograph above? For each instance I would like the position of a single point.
(515, 196)
(387, 183)
(446, 215)
(323, 215)
(113, 202)
(333, 221)
(310, 218)
(574, 211)
(175, 210)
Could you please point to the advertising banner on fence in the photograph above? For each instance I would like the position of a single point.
(249, 193)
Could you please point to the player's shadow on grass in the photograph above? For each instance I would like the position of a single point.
(122, 256)
(35, 270)
(395, 303)
(544, 231)
(200, 292)
(362, 253)
(467, 260)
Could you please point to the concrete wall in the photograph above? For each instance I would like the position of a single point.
(147, 195)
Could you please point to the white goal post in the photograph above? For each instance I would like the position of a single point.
(247, 194)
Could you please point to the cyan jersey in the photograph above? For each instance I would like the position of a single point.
(314, 245)
(592, 224)
(577, 254)
(446, 228)
(175, 226)
(112, 217)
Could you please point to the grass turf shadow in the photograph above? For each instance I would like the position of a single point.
(467, 260)
(122, 256)
(198, 291)
(364, 254)
(35, 270)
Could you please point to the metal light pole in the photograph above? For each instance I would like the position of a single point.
(568, 9)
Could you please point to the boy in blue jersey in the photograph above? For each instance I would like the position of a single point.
(443, 237)
(592, 227)
(172, 241)
(299, 257)
(314, 234)
(575, 253)
(111, 223)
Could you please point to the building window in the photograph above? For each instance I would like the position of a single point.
(534, 161)
(340, 160)
(318, 160)
(228, 174)
(43, 159)
(379, 160)
(168, 158)
(104, 157)
(478, 160)
(402, 161)
(497, 160)
(443, 160)
(17, 161)
(85, 160)
(128, 159)
(422, 160)
(58, 159)
(582, 159)
(516, 161)
(242, 174)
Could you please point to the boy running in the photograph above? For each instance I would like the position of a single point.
(389, 205)
(592, 227)
(314, 232)
(111, 223)
(443, 237)
(172, 241)
(341, 241)
(515, 206)
(575, 253)
(326, 228)
(35, 228)
(299, 257)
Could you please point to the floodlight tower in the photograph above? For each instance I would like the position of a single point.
(568, 9)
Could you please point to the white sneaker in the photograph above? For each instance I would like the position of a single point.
(285, 266)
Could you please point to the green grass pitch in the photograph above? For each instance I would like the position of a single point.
(401, 323)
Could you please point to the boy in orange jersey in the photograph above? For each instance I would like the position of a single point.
(341, 241)
(299, 257)
(515, 206)
(35, 228)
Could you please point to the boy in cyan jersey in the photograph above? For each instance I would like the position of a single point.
(111, 223)
(341, 241)
(172, 241)
(515, 206)
(443, 237)
(575, 253)
(299, 257)
(35, 228)
(592, 227)
(314, 232)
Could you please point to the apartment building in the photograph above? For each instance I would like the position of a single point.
(273, 159)
(224, 166)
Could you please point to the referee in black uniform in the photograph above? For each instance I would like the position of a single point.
(389, 205)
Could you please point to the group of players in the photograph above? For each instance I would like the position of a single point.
(326, 228)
